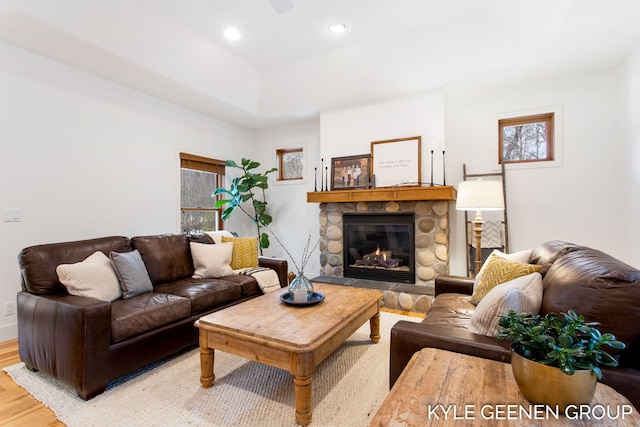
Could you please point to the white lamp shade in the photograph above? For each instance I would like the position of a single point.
(480, 196)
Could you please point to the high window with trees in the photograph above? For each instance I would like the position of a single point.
(199, 177)
(526, 139)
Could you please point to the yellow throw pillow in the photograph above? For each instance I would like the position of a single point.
(245, 252)
(499, 270)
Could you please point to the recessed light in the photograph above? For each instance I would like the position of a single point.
(338, 27)
(232, 33)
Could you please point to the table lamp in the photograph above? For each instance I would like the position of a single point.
(479, 196)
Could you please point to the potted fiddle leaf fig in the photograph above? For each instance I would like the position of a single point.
(250, 186)
(556, 359)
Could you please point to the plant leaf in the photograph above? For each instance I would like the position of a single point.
(264, 240)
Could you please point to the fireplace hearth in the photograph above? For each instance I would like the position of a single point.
(379, 247)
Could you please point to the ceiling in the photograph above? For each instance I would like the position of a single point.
(288, 67)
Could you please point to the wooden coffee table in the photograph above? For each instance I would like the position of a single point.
(292, 338)
(441, 388)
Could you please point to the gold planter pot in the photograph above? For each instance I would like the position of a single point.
(548, 385)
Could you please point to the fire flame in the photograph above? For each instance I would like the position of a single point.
(384, 255)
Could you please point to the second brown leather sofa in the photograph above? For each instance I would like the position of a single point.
(575, 277)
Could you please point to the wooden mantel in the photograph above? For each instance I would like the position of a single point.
(438, 192)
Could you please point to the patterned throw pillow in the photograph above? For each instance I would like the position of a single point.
(245, 251)
(499, 270)
(94, 277)
(520, 256)
(522, 295)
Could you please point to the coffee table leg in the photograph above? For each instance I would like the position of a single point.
(206, 367)
(302, 386)
(374, 323)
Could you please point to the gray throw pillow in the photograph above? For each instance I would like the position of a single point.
(132, 273)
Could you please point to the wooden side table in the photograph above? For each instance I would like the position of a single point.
(441, 388)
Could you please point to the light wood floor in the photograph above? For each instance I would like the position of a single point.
(18, 408)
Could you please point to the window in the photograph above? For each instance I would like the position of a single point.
(526, 139)
(289, 162)
(199, 177)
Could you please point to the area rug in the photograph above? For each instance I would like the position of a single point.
(348, 387)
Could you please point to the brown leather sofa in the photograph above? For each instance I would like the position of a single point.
(577, 278)
(86, 342)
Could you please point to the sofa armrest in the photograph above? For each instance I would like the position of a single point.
(410, 337)
(67, 337)
(453, 285)
(279, 265)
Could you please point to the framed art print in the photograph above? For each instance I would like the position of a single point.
(396, 162)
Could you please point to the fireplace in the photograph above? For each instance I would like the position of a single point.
(379, 247)
(430, 243)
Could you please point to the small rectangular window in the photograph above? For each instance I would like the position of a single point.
(526, 139)
(290, 162)
(199, 177)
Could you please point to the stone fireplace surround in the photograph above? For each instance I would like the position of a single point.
(431, 241)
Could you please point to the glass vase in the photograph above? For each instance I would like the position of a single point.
(300, 288)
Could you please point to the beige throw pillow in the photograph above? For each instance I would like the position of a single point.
(211, 261)
(497, 271)
(522, 295)
(94, 277)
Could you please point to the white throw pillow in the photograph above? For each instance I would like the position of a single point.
(522, 295)
(94, 277)
(520, 256)
(217, 235)
(211, 261)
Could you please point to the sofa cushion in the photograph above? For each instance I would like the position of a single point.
(94, 277)
(211, 261)
(167, 256)
(548, 252)
(204, 294)
(200, 238)
(145, 312)
(450, 310)
(132, 273)
(599, 287)
(245, 252)
(38, 263)
(248, 285)
(522, 295)
(500, 270)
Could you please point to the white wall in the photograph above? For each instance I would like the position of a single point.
(630, 137)
(349, 131)
(293, 217)
(582, 201)
(83, 157)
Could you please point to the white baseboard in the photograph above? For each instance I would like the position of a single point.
(9, 332)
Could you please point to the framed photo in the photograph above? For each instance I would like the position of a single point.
(350, 172)
(397, 162)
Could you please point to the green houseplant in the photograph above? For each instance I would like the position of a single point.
(567, 342)
(247, 187)
(556, 359)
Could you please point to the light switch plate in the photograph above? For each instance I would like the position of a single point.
(12, 215)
